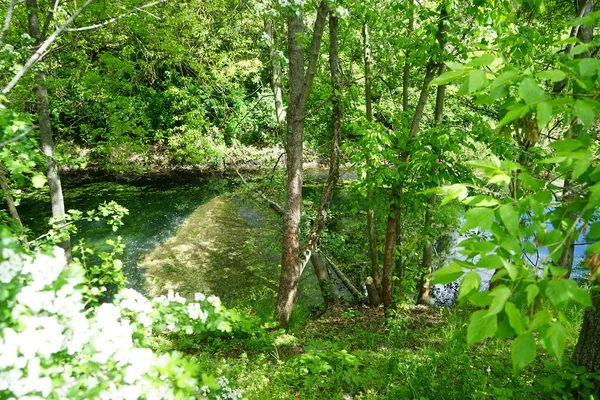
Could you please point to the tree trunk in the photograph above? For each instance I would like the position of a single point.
(275, 77)
(424, 291)
(586, 352)
(406, 69)
(388, 250)
(399, 262)
(12, 209)
(56, 195)
(324, 279)
(424, 296)
(334, 160)
(372, 291)
(300, 87)
(373, 252)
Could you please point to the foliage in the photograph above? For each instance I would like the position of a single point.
(52, 347)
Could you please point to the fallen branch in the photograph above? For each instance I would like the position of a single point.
(345, 280)
(273, 205)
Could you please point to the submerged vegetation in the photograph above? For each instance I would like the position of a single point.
(165, 238)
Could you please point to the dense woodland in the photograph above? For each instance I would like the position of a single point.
(445, 248)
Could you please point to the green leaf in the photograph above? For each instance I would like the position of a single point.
(585, 112)
(541, 318)
(500, 295)
(532, 292)
(477, 80)
(482, 61)
(504, 78)
(531, 92)
(554, 339)
(589, 66)
(531, 183)
(481, 326)
(481, 201)
(514, 317)
(491, 261)
(557, 291)
(452, 192)
(552, 75)
(517, 112)
(543, 114)
(523, 351)
(479, 217)
(448, 77)
(469, 284)
(447, 274)
(512, 269)
(510, 218)
(38, 181)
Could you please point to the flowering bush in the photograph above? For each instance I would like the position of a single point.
(51, 346)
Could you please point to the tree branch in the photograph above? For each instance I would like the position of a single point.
(16, 138)
(7, 19)
(110, 21)
(38, 54)
(313, 57)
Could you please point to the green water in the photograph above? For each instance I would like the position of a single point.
(157, 207)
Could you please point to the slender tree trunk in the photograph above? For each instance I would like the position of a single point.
(373, 252)
(399, 268)
(388, 249)
(334, 160)
(300, 88)
(12, 209)
(275, 77)
(56, 195)
(406, 69)
(424, 296)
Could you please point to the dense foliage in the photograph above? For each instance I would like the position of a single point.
(468, 132)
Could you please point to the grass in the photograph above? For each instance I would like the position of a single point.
(354, 352)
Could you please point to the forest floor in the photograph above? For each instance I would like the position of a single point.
(229, 247)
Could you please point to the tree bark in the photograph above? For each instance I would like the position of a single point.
(388, 250)
(372, 291)
(373, 252)
(275, 77)
(406, 69)
(300, 87)
(334, 160)
(323, 278)
(12, 209)
(47, 142)
(586, 351)
(424, 296)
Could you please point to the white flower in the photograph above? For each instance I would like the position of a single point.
(199, 297)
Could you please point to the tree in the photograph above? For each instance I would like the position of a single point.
(300, 82)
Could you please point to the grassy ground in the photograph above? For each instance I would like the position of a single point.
(354, 352)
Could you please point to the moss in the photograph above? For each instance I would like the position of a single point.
(213, 252)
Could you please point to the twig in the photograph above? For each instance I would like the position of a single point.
(42, 49)
(276, 207)
(7, 19)
(110, 21)
(16, 138)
